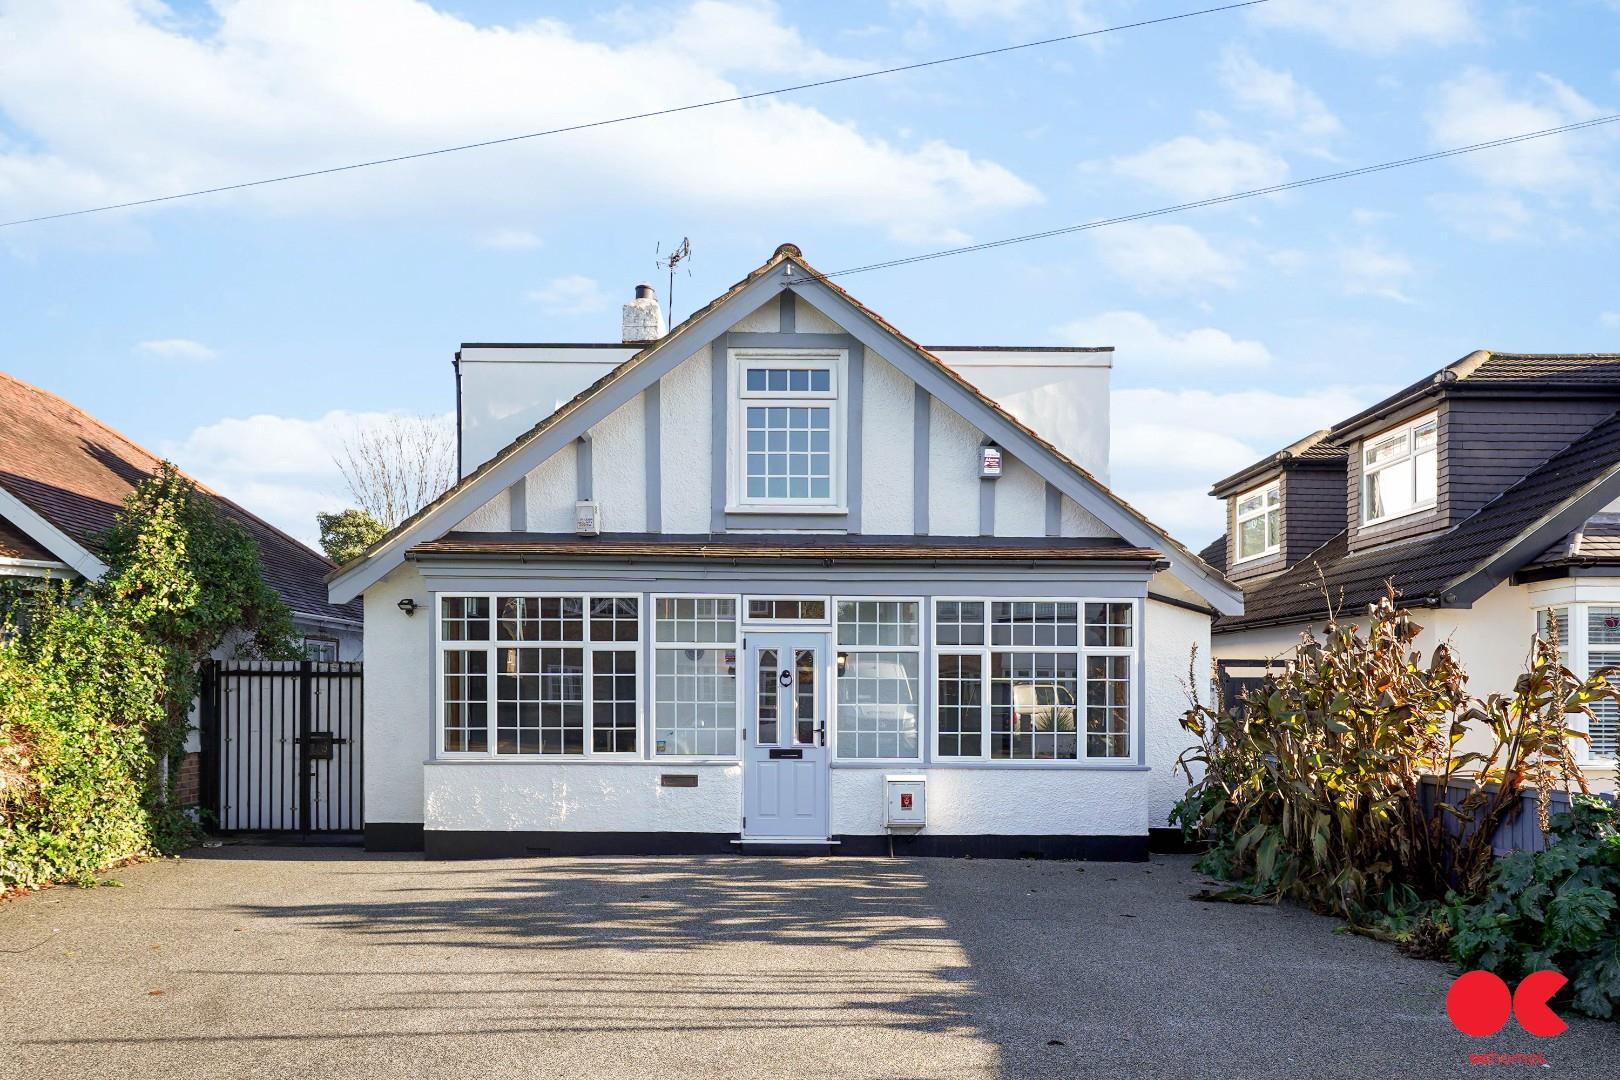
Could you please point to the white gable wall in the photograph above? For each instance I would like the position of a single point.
(953, 473)
(549, 490)
(619, 467)
(888, 445)
(685, 432)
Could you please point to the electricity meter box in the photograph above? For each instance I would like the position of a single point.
(905, 801)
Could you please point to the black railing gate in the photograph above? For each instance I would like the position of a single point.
(281, 745)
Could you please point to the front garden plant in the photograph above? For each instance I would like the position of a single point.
(1343, 783)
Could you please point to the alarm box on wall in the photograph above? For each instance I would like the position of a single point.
(905, 801)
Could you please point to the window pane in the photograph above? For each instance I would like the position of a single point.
(878, 622)
(1251, 537)
(517, 618)
(613, 702)
(806, 711)
(1033, 700)
(1273, 529)
(464, 618)
(1387, 448)
(877, 704)
(1250, 505)
(1040, 622)
(960, 719)
(1109, 625)
(1425, 470)
(959, 622)
(795, 463)
(1389, 492)
(1108, 715)
(695, 702)
(700, 620)
(1603, 625)
(1426, 436)
(615, 618)
(1604, 729)
(466, 701)
(766, 702)
(1553, 624)
(540, 701)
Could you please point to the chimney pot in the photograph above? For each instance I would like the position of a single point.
(643, 318)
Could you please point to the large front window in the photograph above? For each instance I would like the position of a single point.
(787, 427)
(1259, 522)
(1035, 680)
(879, 658)
(531, 675)
(695, 686)
(1588, 636)
(1400, 470)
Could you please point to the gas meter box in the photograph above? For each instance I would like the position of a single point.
(905, 803)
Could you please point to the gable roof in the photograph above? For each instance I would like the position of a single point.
(785, 269)
(1456, 566)
(17, 544)
(64, 476)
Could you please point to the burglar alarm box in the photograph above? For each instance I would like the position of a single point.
(905, 802)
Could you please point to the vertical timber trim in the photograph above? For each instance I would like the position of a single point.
(1054, 511)
(788, 320)
(517, 506)
(987, 507)
(306, 767)
(582, 469)
(922, 419)
(720, 426)
(652, 434)
(854, 436)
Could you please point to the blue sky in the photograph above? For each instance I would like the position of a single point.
(242, 334)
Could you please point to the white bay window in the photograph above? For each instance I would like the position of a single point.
(1588, 637)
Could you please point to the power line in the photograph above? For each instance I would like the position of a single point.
(1234, 197)
(636, 116)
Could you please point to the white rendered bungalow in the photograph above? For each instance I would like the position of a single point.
(780, 576)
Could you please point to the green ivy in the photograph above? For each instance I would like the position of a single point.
(1558, 908)
(96, 695)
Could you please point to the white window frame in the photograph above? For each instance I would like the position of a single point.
(650, 629)
(739, 399)
(1408, 460)
(1082, 651)
(924, 688)
(1576, 651)
(767, 625)
(1264, 513)
(491, 648)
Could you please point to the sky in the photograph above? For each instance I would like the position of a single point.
(244, 334)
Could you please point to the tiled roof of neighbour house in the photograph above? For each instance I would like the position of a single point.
(1485, 548)
(1485, 371)
(16, 544)
(777, 547)
(1597, 541)
(783, 253)
(74, 471)
(1313, 448)
(1214, 552)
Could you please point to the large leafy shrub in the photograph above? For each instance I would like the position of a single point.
(1312, 787)
(1558, 908)
(96, 695)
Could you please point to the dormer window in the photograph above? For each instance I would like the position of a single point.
(1400, 470)
(1259, 522)
(788, 428)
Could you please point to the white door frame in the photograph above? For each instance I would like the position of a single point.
(791, 743)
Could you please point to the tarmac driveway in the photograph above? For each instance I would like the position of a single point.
(283, 962)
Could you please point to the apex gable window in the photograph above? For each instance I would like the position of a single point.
(787, 430)
(1259, 522)
(1400, 470)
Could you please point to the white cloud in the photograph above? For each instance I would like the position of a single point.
(282, 468)
(510, 240)
(1191, 168)
(742, 36)
(1168, 446)
(115, 101)
(1479, 106)
(1371, 270)
(1276, 93)
(1164, 258)
(1142, 344)
(177, 349)
(571, 294)
(1374, 25)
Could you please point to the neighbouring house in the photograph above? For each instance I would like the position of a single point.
(1488, 492)
(64, 476)
(779, 576)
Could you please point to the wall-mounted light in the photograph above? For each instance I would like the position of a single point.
(408, 606)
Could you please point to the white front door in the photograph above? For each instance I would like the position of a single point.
(785, 755)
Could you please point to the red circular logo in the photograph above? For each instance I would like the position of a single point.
(1479, 1003)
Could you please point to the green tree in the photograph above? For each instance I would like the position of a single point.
(347, 534)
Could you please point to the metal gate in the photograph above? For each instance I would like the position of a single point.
(281, 745)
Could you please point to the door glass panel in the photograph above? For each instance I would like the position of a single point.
(767, 697)
(805, 661)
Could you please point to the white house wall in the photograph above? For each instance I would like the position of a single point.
(685, 432)
(953, 473)
(887, 447)
(1020, 500)
(574, 797)
(399, 678)
(1173, 633)
(550, 489)
(619, 467)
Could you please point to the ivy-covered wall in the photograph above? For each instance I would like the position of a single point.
(97, 683)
